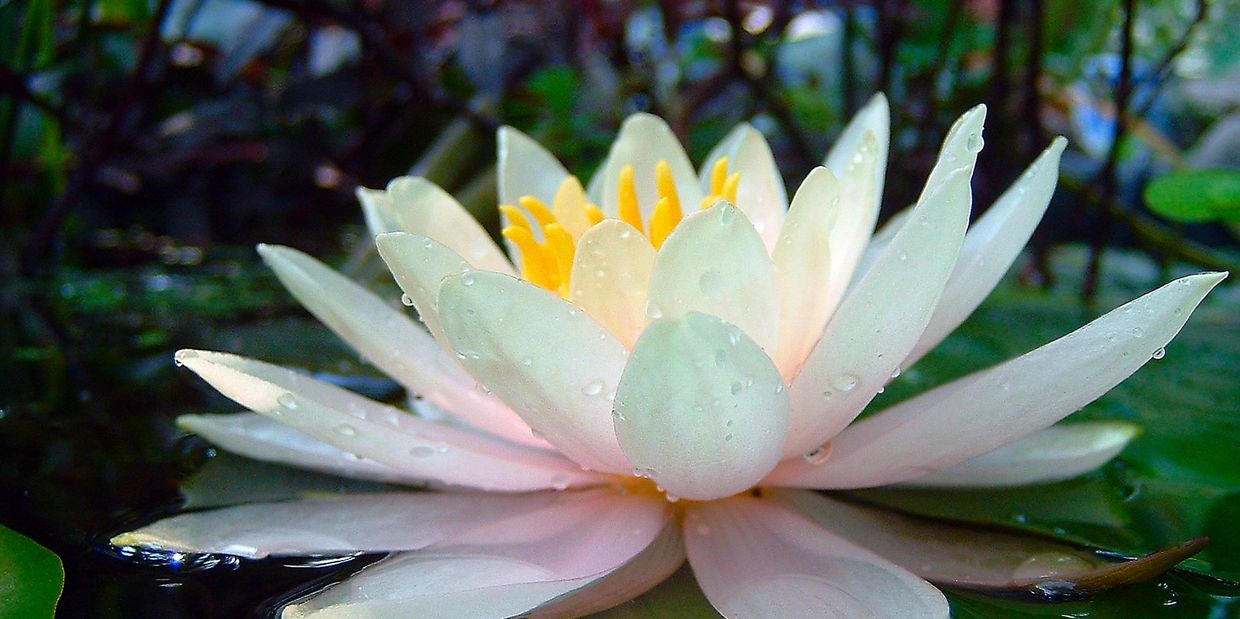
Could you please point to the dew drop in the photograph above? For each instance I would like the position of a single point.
(895, 373)
(903, 256)
(734, 335)
(288, 400)
(1159, 354)
(844, 382)
(427, 243)
(721, 358)
(728, 437)
(736, 388)
(467, 279)
(727, 214)
(345, 429)
(406, 300)
(594, 387)
(559, 481)
(644, 472)
(975, 143)
(1047, 564)
(422, 451)
(624, 233)
(1138, 332)
(819, 454)
(653, 312)
(527, 361)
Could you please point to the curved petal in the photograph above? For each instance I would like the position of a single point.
(700, 410)
(859, 160)
(880, 320)
(991, 245)
(714, 262)
(611, 277)
(526, 168)
(419, 264)
(754, 558)
(802, 260)
(423, 208)
(509, 569)
(643, 142)
(986, 410)
(377, 211)
(379, 522)
(761, 194)
(1054, 454)
(439, 454)
(255, 436)
(552, 363)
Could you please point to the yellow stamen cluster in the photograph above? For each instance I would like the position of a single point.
(548, 261)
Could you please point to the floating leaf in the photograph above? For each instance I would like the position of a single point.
(31, 577)
(1196, 195)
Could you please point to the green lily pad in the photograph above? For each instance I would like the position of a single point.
(1196, 195)
(31, 577)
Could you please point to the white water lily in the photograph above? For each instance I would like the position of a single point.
(682, 357)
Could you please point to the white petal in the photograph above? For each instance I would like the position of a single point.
(552, 363)
(377, 522)
(643, 142)
(754, 558)
(701, 410)
(526, 168)
(991, 245)
(526, 562)
(423, 208)
(419, 264)
(761, 194)
(255, 436)
(422, 449)
(714, 262)
(802, 260)
(1056, 453)
(377, 211)
(611, 277)
(986, 410)
(859, 160)
(881, 318)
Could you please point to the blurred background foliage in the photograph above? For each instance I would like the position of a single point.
(146, 145)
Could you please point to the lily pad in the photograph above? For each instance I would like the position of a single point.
(31, 577)
(1196, 195)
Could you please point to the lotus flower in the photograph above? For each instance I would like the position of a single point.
(665, 364)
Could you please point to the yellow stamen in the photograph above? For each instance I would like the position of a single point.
(630, 211)
(666, 217)
(561, 247)
(533, 256)
(666, 185)
(730, 187)
(515, 216)
(594, 213)
(538, 209)
(718, 175)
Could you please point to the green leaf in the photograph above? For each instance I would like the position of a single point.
(1196, 195)
(31, 577)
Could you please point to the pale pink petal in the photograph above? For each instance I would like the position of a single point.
(755, 558)
(423, 208)
(643, 142)
(991, 245)
(1056, 453)
(986, 410)
(611, 277)
(701, 410)
(255, 436)
(761, 194)
(377, 522)
(859, 160)
(522, 564)
(545, 357)
(422, 449)
(880, 319)
(714, 262)
(802, 260)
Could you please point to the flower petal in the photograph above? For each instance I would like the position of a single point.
(439, 454)
(611, 277)
(1056, 453)
(378, 522)
(423, 208)
(700, 410)
(802, 260)
(255, 436)
(419, 264)
(510, 569)
(754, 558)
(714, 262)
(986, 410)
(859, 160)
(881, 318)
(552, 363)
(526, 168)
(761, 194)
(377, 211)
(643, 142)
(991, 245)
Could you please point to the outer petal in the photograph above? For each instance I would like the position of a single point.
(761, 194)
(1056, 453)
(422, 449)
(880, 320)
(986, 410)
(991, 245)
(611, 277)
(802, 260)
(255, 436)
(526, 168)
(715, 262)
(546, 358)
(339, 525)
(509, 569)
(859, 159)
(754, 558)
(377, 211)
(643, 142)
(419, 264)
(423, 208)
(701, 410)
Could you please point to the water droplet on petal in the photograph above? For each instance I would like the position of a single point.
(819, 454)
(1159, 354)
(559, 481)
(467, 279)
(895, 373)
(406, 300)
(727, 214)
(975, 143)
(653, 312)
(903, 256)
(527, 361)
(287, 400)
(844, 382)
(422, 451)
(1138, 332)
(594, 387)
(345, 429)
(736, 388)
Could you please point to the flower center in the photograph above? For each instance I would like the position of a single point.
(547, 237)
